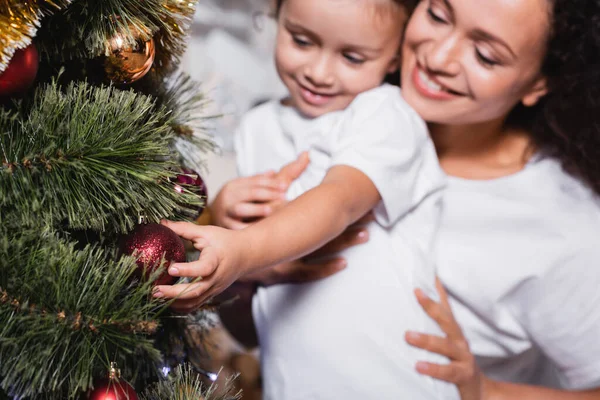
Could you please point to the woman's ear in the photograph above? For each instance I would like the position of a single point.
(538, 90)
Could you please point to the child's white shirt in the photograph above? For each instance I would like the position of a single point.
(343, 337)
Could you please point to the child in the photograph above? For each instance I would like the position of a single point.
(336, 339)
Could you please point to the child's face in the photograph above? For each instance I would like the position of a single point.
(329, 51)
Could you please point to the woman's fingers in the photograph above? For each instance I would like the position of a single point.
(442, 292)
(436, 344)
(452, 372)
(440, 314)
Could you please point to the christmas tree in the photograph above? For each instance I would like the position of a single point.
(98, 132)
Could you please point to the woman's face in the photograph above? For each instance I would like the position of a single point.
(472, 61)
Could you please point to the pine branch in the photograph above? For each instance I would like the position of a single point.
(83, 31)
(94, 157)
(45, 346)
(185, 384)
(19, 21)
(189, 119)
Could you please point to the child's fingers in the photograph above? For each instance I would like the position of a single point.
(205, 266)
(267, 181)
(293, 170)
(182, 291)
(260, 194)
(186, 230)
(250, 210)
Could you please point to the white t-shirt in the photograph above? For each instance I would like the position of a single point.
(520, 257)
(343, 337)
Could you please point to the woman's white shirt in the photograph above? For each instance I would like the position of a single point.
(520, 257)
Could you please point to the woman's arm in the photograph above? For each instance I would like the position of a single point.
(463, 370)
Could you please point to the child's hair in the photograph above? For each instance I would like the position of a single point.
(409, 5)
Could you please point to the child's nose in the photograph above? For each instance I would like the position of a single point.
(319, 72)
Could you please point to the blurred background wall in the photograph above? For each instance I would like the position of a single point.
(231, 53)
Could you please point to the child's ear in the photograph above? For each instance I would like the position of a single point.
(394, 64)
(538, 90)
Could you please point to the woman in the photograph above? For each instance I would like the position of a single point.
(510, 91)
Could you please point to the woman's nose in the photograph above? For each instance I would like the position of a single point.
(319, 71)
(442, 56)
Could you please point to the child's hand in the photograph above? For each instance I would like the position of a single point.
(246, 199)
(218, 265)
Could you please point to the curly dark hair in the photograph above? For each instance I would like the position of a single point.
(566, 122)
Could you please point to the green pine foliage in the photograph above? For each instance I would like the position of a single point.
(96, 158)
(183, 384)
(80, 161)
(65, 312)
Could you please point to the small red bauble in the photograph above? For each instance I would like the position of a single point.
(113, 388)
(151, 242)
(194, 183)
(21, 72)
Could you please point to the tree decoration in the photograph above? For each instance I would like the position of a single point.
(192, 181)
(21, 72)
(19, 21)
(150, 243)
(113, 388)
(129, 62)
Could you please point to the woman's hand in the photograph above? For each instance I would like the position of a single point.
(245, 200)
(462, 369)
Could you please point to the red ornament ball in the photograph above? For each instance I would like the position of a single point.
(192, 181)
(21, 72)
(151, 242)
(112, 389)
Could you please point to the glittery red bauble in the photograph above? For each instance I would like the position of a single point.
(192, 181)
(151, 242)
(21, 72)
(112, 389)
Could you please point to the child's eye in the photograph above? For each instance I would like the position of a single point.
(434, 17)
(301, 41)
(486, 61)
(353, 58)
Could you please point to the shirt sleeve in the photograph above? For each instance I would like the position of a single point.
(387, 141)
(561, 312)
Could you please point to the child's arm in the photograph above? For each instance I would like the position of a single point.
(299, 228)
(310, 221)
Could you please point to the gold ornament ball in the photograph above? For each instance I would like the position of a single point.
(127, 64)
